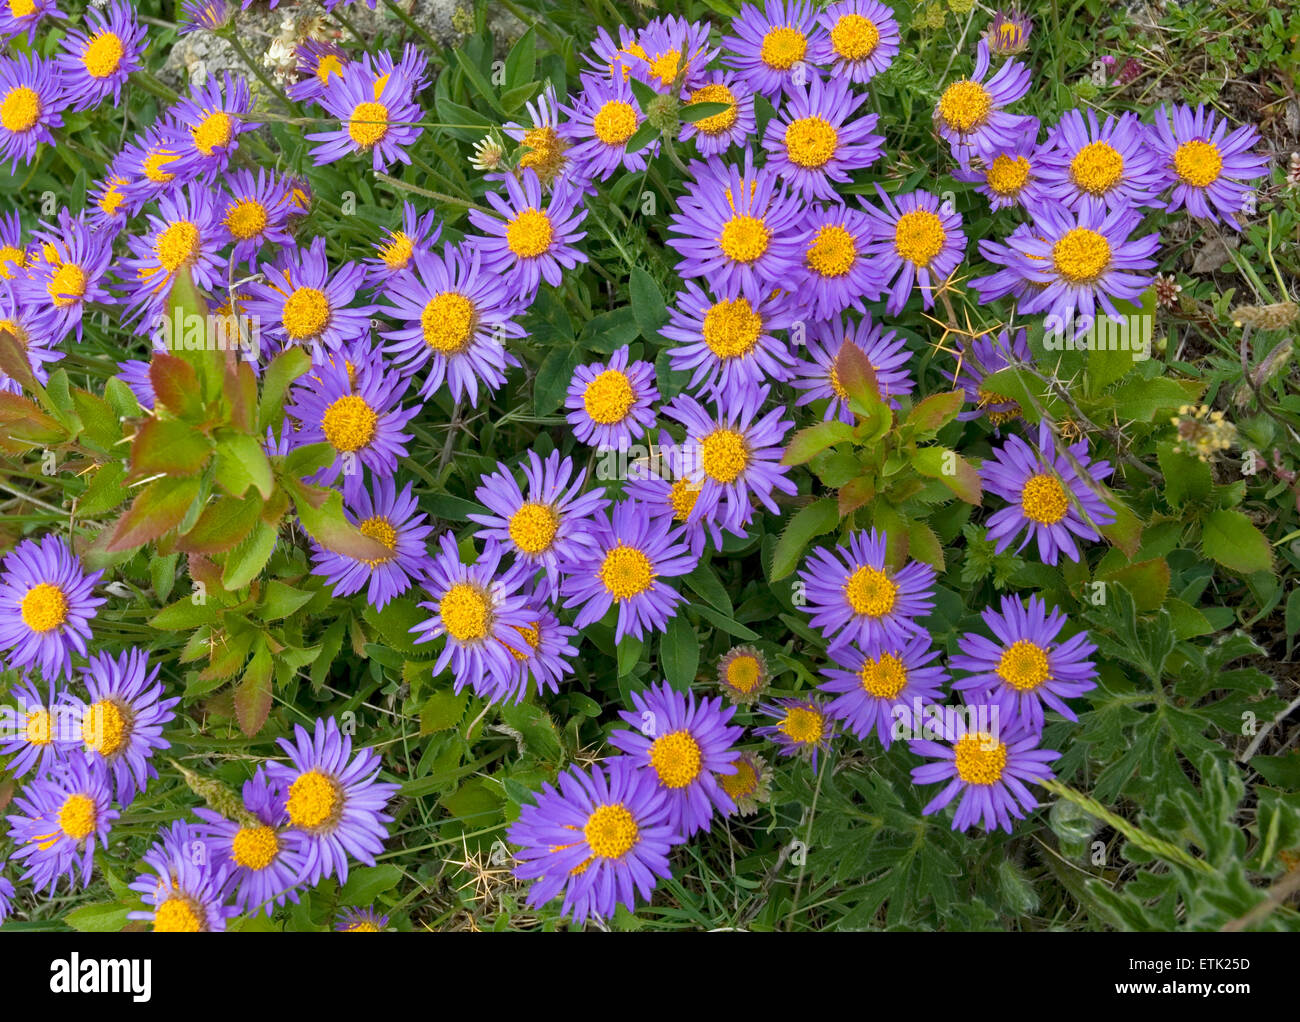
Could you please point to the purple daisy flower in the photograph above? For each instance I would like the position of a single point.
(24, 15)
(685, 745)
(61, 815)
(151, 165)
(1010, 176)
(718, 132)
(729, 344)
(478, 607)
(255, 212)
(105, 202)
(13, 255)
(859, 40)
(1207, 166)
(255, 851)
(802, 728)
(458, 315)
(31, 101)
(549, 524)
(33, 328)
(970, 116)
(598, 126)
(393, 519)
(396, 253)
(207, 123)
(379, 117)
(981, 358)
(610, 404)
(46, 603)
(662, 485)
(73, 278)
(1048, 499)
(819, 377)
(600, 838)
(816, 139)
(989, 771)
(917, 242)
(36, 734)
(1011, 278)
(1103, 165)
(6, 896)
(771, 48)
(204, 15)
(185, 891)
(122, 723)
(632, 556)
(185, 236)
(736, 456)
(319, 64)
(1026, 668)
(334, 801)
(1008, 33)
(303, 302)
(738, 227)
(360, 920)
(837, 274)
(656, 58)
(1086, 259)
(531, 241)
(877, 684)
(541, 652)
(97, 62)
(853, 596)
(543, 147)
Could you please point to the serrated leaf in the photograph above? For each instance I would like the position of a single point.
(817, 519)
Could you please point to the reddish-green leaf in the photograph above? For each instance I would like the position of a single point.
(168, 447)
(253, 694)
(159, 507)
(221, 526)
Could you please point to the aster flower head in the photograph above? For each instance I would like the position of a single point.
(397, 250)
(859, 40)
(360, 920)
(478, 608)
(738, 227)
(837, 273)
(970, 114)
(662, 484)
(106, 203)
(599, 124)
(393, 519)
(819, 378)
(854, 596)
(981, 357)
(1048, 499)
(918, 241)
(254, 210)
(989, 771)
(60, 818)
(184, 237)
(736, 456)
(610, 404)
(23, 16)
(751, 784)
(803, 727)
(772, 48)
(150, 165)
(71, 275)
(204, 16)
(185, 890)
(867, 687)
(378, 117)
(456, 315)
(205, 125)
(123, 719)
(544, 144)
(743, 675)
(1008, 33)
(37, 733)
(1010, 176)
(532, 240)
(685, 745)
(262, 862)
(729, 344)
(599, 839)
(32, 326)
(13, 256)
(31, 104)
(661, 48)
(46, 602)
(547, 524)
(542, 652)
(97, 59)
(334, 801)
(632, 556)
(1011, 278)
(818, 137)
(319, 63)
(1102, 164)
(734, 126)
(1208, 167)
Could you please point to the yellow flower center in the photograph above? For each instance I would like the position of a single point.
(67, 286)
(732, 328)
(981, 758)
(397, 252)
(743, 673)
(530, 234)
(448, 322)
(964, 105)
(217, 129)
(854, 37)
(611, 831)
(1081, 256)
(682, 498)
(664, 67)
(545, 152)
(78, 817)
(349, 423)
(330, 64)
(1007, 174)
(803, 725)
(21, 109)
(609, 397)
(22, 8)
(1044, 499)
(676, 759)
(306, 313)
(532, 635)
(626, 572)
(744, 238)
(870, 592)
(465, 612)
(533, 527)
(255, 848)
(718, 123)
(919, 236)
(103, 54)
(380, 529)
(368, 124)
(615, 122)
(314, 800)
(1023, 666)
(246, 218)
(106, 728)
(153, 166)
(783, 47)
(1198, 163)
(365, 926)
(832, 252)
(11, 259)
(723, 455)
(742, 783)
(885, 677)
(176, 915)
(1097, 168)
(39, 727)
(44, 607)
(177, 245)
(810, 141)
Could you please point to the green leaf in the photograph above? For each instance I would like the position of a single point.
(176, 386)
(1140, 400)
(629, 654)
(951, 469)
(157, 509)
(817, 519)
(253, 694)
(283, 370)
(1148, 581)
(247, 560)
(643, 135)
(1187, 478)
(553, 378)
(103, 918)
(281, 600)
(221, 526)
(442, 711)
(168, 447)
(241, 463)
(679, 653)
(1230, 538)
(935, 412)
(366, 883)
(522, 60)
(811, 441)
(321, 513)
(692, 113)
(648, 305)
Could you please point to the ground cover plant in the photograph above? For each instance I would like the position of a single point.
(534, 466)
